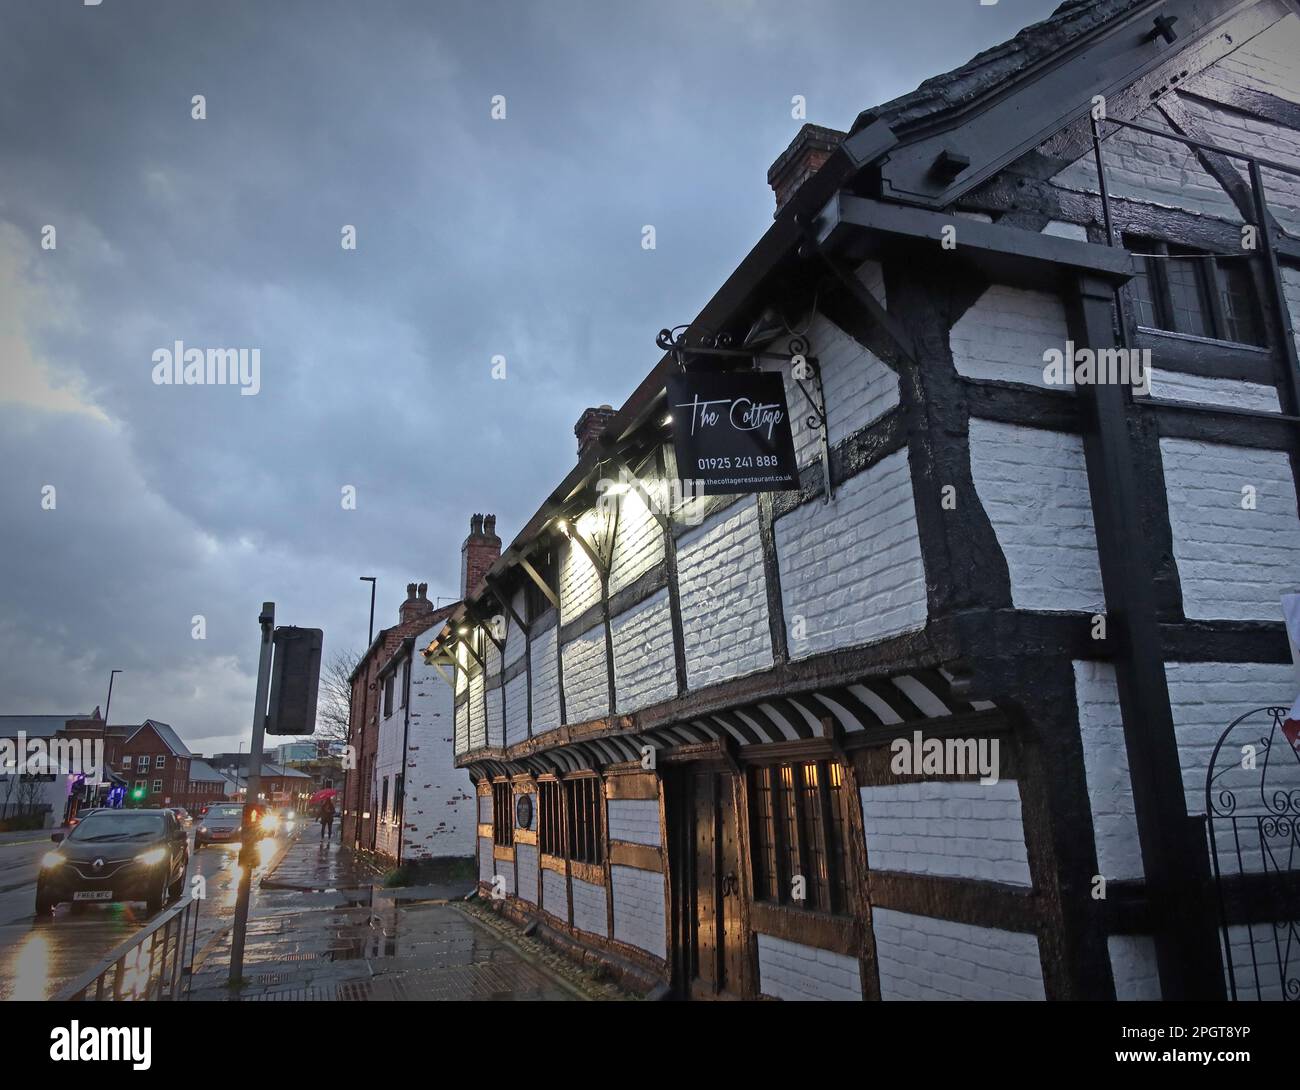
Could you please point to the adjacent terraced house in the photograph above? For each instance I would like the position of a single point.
(947, 720)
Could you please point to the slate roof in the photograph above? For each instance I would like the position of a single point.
(201, 770)
(996, 66)
(164, 731)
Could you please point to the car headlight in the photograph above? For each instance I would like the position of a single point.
(152, 856)
(203, 828)
(51, 860)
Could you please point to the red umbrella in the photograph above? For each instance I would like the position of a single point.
(321, 796)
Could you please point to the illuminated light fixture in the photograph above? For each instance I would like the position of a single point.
(667, 421)
(462, 631)
(617, 489)
(563, 527)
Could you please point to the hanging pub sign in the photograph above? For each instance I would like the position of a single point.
(731, 431)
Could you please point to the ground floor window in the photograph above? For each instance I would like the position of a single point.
(799, 834)
(569, 822)
(503, 821)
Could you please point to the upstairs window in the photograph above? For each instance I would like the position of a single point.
(142, 763)
(388, 695)
(406, 683)
(799, 828)
(1182, 290)
(159, 761)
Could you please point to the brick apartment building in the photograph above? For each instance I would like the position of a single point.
(155, 763)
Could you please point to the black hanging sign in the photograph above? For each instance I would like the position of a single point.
(731, 431)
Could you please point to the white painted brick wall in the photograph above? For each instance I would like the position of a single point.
(491, 658)
(1199, 390)
(462, 660)
(439, 811)
(790, 970)
(921, 957)
(516, 640)
(1254, 963)
(496, 717)
(586, 681)
(1133, 965)
(852, 569)
(1291, 289)
(546, 684)
(589, 908)
(1267, 61)
(1105, 764)
(516, 709)
(634, 820)
(486, 864)
(1061, 229)
(644, 672)
(1204, 698)
(946, 828)
(526, 863)
(1152, 169)
(555, 895)
(462, 729)
(1005, 333)
(858, 387)
(1263, 139)
(477, 723)
(1034, 486)
(579, 582)
(1233, 564)
(485, 809)
(724, 597)
(638, 543)
(639, 909)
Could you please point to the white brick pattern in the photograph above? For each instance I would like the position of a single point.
(639, 909)
(790, 970)
(643, 654)
(634, 820)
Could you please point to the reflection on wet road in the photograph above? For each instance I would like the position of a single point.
(38, 956)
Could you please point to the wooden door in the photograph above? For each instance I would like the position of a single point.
(704, 864)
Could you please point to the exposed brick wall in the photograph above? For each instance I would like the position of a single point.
(485, 809)
(1033, 484)
(586, 680)
(634, 820)
(1212, 532)
(1133, 966)
(952, 829)
(516, 638)
(790, 970)
(486, 864)
(439, 810)
(723, 597)
(643, 654)
(496, 716)
(639, 909)
(851, 570)
(478, 553)
(921, 957)
(1199, 390)
(579, 583)
(589, 908)
(477, 722)
(1105, 762)
(462, 729)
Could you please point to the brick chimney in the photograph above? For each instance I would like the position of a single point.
(479, 552)
(590, 424)
(813, 145)
(417, 602)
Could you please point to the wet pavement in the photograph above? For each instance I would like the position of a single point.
(37, 956)
(320, 929)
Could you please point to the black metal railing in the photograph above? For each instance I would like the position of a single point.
(153, 964)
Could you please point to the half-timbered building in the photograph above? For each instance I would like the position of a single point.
(945, 719)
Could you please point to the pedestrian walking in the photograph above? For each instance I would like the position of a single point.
(327, 820)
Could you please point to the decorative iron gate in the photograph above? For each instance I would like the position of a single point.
(1252, 807)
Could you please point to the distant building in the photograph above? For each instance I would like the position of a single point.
(156, 764)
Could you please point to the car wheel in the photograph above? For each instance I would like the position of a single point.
(44, 903)
(175, 889)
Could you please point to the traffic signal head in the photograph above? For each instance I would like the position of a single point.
(137, 793)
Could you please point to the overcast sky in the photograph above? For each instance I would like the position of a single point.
(475, 237)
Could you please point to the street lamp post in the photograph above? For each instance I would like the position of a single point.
(107, 704)
(371, 580)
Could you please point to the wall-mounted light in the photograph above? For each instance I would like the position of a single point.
(563, 527)
(462, 631)
(666, 421)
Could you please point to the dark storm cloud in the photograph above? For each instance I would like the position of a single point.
(475, 238)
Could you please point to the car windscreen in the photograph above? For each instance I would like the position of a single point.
(111, 825)
(235, 812)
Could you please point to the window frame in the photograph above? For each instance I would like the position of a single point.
(571, 819)
(1155, 255)
(503, 814)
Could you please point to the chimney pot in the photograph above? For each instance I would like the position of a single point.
(591, 425)
(808, 151)
(416, 603)
(479, 552)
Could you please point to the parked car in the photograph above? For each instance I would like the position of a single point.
(116, 855)
(221, 825)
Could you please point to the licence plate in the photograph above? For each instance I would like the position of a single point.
(93, 895)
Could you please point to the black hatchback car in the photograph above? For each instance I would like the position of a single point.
(116, 855)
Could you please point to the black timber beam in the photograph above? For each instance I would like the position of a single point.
(868, 228)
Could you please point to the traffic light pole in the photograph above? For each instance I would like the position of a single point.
(248, 843)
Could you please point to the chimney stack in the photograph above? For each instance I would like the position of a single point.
(417, 602)
(479, 552)
(591, 424)
(810, 148)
